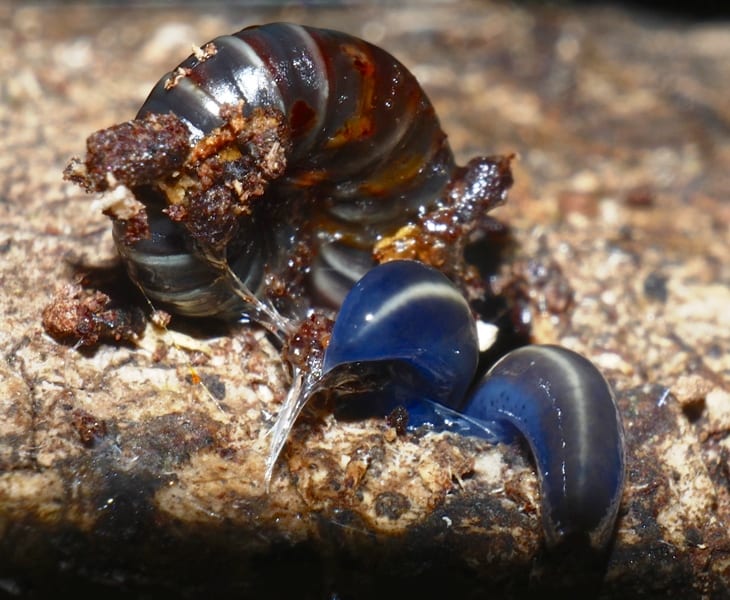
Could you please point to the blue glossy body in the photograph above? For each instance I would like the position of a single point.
(566, 411)
(405, 335)
(411, 329)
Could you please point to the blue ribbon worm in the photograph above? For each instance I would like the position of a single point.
(405, 335)
(559, 401)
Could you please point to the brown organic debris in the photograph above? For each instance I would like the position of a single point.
(307, 345)
(438, 238)
(398, 419)
(133, 153)
(225, 171)
(541, 281)
(85, 317)
(207, 186)
(89, 428)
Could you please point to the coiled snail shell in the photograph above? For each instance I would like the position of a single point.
(364, 155)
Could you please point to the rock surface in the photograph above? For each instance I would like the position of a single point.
(137, 468)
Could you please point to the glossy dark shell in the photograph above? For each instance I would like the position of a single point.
(367, 155)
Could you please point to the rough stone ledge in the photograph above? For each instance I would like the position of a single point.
(136, 470)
